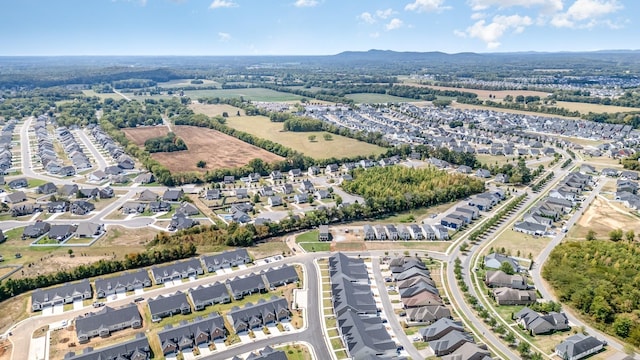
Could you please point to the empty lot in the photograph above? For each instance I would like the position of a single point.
(215, 148)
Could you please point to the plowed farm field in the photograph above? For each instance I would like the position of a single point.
(218, 150)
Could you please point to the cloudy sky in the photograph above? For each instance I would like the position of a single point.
(313, 27)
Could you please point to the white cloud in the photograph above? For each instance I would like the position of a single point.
(584, 13)
(394, 24)
(224, 37)
(426, 6)
(367, 17)
(547, 6)
(374, 35)
(492, 32)
(217, 4)
(478, 16)
(384, 14)
(305, 3)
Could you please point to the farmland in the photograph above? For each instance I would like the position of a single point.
(215, 148)
(484, 94)
(339, 147)
(255, 94)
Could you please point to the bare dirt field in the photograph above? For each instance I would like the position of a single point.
(215, 109)
(215, 148)
(603, 216)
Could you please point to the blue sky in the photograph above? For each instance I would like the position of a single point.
(313, 27)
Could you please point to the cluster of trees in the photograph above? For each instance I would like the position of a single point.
(168, 143)
(303, 124)
(123, 113)
(628, 99)
(631, 162)
(496, 218)
(397, 188)
(625, 118)
(601, 279)
(81, 111)
(18, 104)
(537, 186)
(14, 287)
(518, 174)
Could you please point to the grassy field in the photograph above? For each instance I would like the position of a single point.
(482, 94)
(457, 105)
(186, 83)
(595, 108)
(370, 98)
(229, 151)
(493, 159)
(255, 94)
(102, 96)
(216, 109)
(309, 242)
(339, 147)
(297, 352)
(514, 241)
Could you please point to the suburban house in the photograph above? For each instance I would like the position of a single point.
(24, 209)
(287, 189)
(180, 221)
(15, 197)
(450, 342)
(137, 349)
(266, 191)
(365, 337)
(483, 173)
(259, 314)
(495, 260)
(283, 275)
(275, 201)
(579, 346)
(508, 296)
(159, 206)
(229, 179)
(188, 335)
(203, 296)
(241, 193)
(65, 294)
(502, 178)
(351, 267)
(212, 194)
(144, 178)
(530, 228)
(439, 329)
(275, 175)
(133, 207)
(301, 198)
(106, 321)
(81, 207)
(88, 229)
(147, 195)
(97, 175)
(441, 232)
(266, 354)
(323, 233)
(307, 186)
(469, 351)
(188, 209)
(47, 188)
(172, 195)
(106, 193)
(89, 193)
(501, 279)
(18, 183)
(68, 190)
(226, 259)
(176, 271)
(61, 232)
(427, 314)
(36, 230)
(541, 324)
(250, 284)
(128, 281)
(168, 305)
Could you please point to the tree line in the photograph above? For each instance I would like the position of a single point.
(167, 143)
(601, 279)
(14, 287)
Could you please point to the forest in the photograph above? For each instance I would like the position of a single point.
(398, 188)
(601, 279)
(167, 143)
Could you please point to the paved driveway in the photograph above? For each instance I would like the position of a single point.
(77, 305)
(58, 309)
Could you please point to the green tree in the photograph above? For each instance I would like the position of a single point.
(622, 326)
(201, 164)
(630, 235)
(509, 337)
(616, 235)
(327, 137)
(524, 348)
(591, 235)
(311, 138)
(507, 268)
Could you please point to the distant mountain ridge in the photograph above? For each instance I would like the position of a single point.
(390, 55)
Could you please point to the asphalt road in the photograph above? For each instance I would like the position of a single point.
(541, 285)
(22, 331)
(401, 337)
(101, 162)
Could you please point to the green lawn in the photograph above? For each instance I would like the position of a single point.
(309, 236)
(320, 148)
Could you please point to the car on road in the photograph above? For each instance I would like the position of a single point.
(138, 299)
(417, 338)
(98, 304)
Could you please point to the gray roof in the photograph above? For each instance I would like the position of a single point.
(87, 228)
(61, 292)
(449, 342)
(124, 350)
(578, 344)
(177, 268)
(61, 231)
(249, 283)
(349, 295)
(440, 328)
(125, 280)
(365, 337)
(191, 330)
(286, 273)
(225, 258)
(351, 267)
(257, 311)
(267, 354)
(202, 294)
(106, 317)
(166, 303)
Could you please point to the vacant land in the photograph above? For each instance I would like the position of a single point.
(602, 216)
(484, 94)
(255, 94)
(102, 96)
(496, 159)
(186, 83)
(519, 244)
(595, 108)
(339, 147)
(141, 134)
(215, 148)
(371, 98)
(216, 109)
